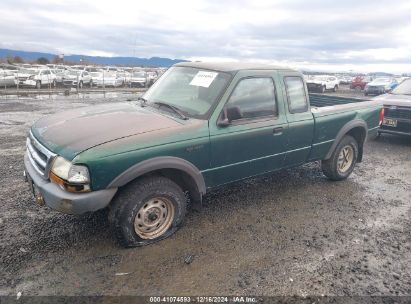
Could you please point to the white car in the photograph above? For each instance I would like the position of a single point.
(107, 79)
(152, 77)
(139, 79)
(36, 78)
(60, 73)
(322, 83)
(76, 78)
(7, 78)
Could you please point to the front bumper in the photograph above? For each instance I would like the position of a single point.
(63, 201)
(69, 83)
(375, 90)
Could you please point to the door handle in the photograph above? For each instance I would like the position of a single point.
(278, 131)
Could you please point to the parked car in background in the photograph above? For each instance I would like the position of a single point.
(125, 77)
(359, 82)
(152, 77)
(111, 69)
(77, 78)
(23, 74)
(397, 110)
(108, 79)
(36, 78)
(380, 86)
(345, 79)
(91, 69)
(323, 83)
(7, 79)
(139, 79)
(59, 73)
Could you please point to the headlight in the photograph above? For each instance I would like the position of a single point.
(73, 178)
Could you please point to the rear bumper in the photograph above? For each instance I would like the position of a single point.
(66, 202)
(394, 132)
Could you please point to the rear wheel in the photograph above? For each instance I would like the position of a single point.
(147, 210)
(38, 84)
(342, 161)
(322, 89)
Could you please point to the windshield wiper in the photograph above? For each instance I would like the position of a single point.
(174, 108)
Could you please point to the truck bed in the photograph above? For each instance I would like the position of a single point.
(322, 100)
(332, 113)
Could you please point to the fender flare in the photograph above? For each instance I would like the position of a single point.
(158, 163)
(344, 130)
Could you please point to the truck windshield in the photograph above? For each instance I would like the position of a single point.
(403, 89)
(193, 91)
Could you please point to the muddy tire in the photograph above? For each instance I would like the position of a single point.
(147, 210)
(342, 161)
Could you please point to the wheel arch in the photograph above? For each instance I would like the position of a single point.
(356, 128)
(184, 173)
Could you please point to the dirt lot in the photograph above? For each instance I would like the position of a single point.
(292, 233)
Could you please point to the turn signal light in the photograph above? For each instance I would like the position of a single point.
(68, 186)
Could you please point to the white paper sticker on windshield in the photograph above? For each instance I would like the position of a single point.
(203, 79)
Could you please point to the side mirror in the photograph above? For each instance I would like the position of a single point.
(228, 115)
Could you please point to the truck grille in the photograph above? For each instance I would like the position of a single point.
(40, 157)
(398, 112)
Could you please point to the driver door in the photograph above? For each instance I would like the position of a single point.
(254, 142)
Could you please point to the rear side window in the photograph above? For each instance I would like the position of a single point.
(297, 99)
(254, 97)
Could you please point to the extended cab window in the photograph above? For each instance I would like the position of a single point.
(297, 99)
(253, 98)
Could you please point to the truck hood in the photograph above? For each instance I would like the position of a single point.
(72, 132)
(394, 100)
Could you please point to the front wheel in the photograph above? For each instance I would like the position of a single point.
(335, 88)
(38, 84)
(147, 210)
(342, 161)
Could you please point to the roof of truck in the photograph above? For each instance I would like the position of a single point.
(231, 67)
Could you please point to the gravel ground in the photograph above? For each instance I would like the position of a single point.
(290, 233)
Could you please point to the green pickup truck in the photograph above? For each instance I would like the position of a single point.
(200, 126)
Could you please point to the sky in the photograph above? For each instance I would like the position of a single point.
(344, 35)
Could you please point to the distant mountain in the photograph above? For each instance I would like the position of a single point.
(132, 61)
